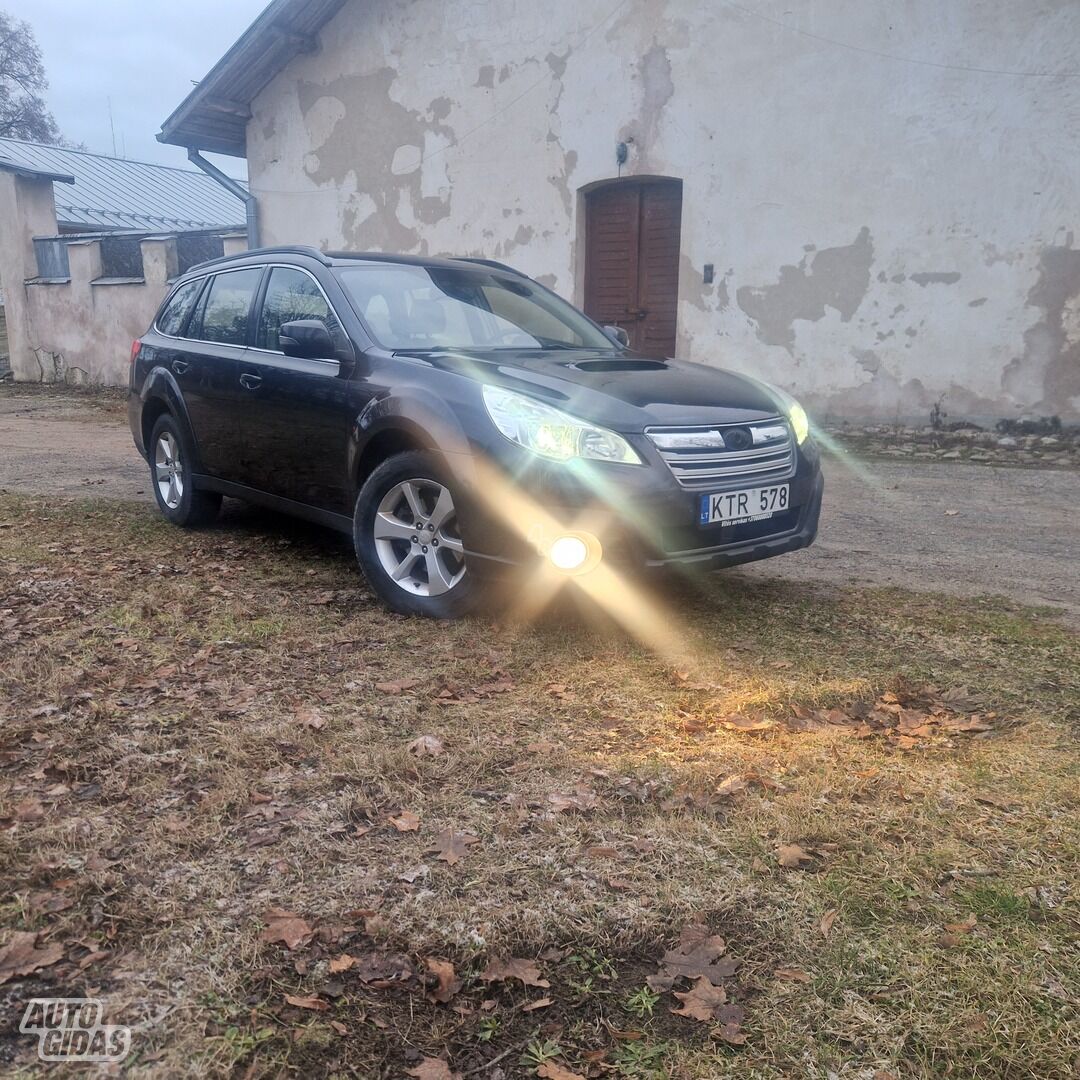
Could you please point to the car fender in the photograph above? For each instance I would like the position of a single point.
(424, 416)
(160, 385)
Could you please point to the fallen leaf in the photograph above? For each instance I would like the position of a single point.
(732, 785)
(599, 852)
(314, 1003)
(448, 983)
(583, 799)
(341, 963)
(792, 974)
(738, 722)
(698, 954)
(29, 809)
(48, 902)
(406, 821)
(552, 1070)
(730, 1017)
(397, 687)
(524, 970)
(383, 969)
(827, 921)
(22, 957)
(453, 846)
(957, 931)
(702, 1001)
(310, 718)
(433, 1069)
(286, 927)
(426, 746)
(539, 1003)
(989, 799)
(792, 856)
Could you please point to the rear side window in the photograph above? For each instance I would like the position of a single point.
(171, 319)
(224, 315)
(290, 295)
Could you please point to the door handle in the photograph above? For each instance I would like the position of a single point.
(250, 382)
(180, 366)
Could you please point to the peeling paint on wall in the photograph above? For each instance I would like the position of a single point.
(836, 277)
(1052, 345)
(951, 277)
(392, 133)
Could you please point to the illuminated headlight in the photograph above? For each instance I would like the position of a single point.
(552, 433)
(796, 414)
(800, 424)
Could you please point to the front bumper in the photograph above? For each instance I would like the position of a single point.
(640, 514)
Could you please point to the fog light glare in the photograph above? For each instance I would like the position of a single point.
(575, 552)
(569, 553)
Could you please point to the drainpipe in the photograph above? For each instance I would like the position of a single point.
(251, 205)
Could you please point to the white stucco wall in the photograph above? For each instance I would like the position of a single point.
(888, 191)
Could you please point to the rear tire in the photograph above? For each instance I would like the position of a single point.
(171, 477)
(405, 532)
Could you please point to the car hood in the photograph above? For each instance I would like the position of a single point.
(619, 390)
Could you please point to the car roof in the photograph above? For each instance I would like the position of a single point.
(344, 258)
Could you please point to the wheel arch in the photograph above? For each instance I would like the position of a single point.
(396, 424)
(161, 395)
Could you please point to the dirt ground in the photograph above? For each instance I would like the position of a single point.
(951, 527)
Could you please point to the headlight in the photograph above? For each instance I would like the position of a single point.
(796, 414)
(551, 433)
(800, 424)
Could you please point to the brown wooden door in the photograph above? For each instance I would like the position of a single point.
(632, 260)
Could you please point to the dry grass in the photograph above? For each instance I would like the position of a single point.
(200, 719)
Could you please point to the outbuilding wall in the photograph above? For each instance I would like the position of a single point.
(888, 192)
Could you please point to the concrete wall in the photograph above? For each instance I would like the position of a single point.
(79, 330)
(888, 191)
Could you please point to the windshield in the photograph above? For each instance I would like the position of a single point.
(412, 308)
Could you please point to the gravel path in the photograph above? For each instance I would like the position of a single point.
(949, 527)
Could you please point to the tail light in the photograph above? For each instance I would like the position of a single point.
(136, 345)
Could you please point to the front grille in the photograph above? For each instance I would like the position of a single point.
(719, 455)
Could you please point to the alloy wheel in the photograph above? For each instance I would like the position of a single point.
(169, 470)
(417, 539)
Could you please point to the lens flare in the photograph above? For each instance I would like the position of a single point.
(569, 553)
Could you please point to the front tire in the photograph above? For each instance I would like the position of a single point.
(405, 531)
(171, 477)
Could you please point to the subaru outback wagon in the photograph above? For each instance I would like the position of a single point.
(459, 421)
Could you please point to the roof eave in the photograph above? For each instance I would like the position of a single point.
(213, 117)
(31, 173)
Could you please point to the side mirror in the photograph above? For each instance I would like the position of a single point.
(618, 335)
(307, 339)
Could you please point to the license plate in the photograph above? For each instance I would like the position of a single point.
(739, 507)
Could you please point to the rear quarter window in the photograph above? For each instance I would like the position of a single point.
(175, 310)
(224, 316)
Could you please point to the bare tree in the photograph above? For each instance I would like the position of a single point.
(23, 114)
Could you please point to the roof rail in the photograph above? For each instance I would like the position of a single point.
(489, 262)
(283, 249)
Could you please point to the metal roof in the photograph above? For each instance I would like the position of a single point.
(113, 193)
(214, 115)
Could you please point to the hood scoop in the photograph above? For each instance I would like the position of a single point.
(623, 364)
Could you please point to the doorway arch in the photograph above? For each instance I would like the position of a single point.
(632, 231)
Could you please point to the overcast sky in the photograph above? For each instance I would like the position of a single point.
(140, 54)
